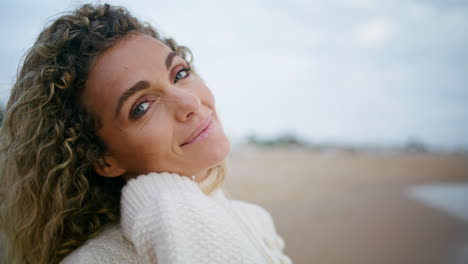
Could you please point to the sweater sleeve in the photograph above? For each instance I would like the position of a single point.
(262, 221)
(169, 220)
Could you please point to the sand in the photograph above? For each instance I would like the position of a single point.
(353, 207)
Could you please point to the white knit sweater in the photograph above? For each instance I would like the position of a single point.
(166, 218)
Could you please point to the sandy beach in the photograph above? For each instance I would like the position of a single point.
(355, 207)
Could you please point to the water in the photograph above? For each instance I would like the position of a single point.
(451, 198)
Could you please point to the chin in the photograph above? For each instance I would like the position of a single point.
(218, 153)
(226, 149)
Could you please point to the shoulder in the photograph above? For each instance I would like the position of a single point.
(246, 209)
(262, 223)
(252, 210)
(255, 215)
(108, 247)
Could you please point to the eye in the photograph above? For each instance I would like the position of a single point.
(140, 110)
(183, 73)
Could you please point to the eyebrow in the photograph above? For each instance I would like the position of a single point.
(170, 58)
(140, 85)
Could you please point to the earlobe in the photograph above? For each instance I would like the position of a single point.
(109, 167)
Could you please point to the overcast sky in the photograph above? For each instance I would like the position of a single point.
(350, 71)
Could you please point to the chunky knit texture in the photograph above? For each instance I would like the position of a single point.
(166, 218)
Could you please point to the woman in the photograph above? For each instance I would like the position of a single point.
(112, 152)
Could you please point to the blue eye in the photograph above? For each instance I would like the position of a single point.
(183, 73)
(140, 109)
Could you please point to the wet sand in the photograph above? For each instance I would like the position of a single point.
(353, 207)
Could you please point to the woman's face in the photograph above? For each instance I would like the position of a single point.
(155, 114)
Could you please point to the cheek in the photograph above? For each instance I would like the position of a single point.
(139, 144)
(205, 94)
(151, 139)
(207, 98)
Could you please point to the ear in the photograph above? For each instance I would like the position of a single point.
(109, 167)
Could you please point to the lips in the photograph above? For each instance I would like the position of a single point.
(200, 129)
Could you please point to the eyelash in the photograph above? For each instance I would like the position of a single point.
(187, 70)
(132, 113)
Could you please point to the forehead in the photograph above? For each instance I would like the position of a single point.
(135, 57)
(128, 61)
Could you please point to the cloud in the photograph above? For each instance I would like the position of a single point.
(374, 33)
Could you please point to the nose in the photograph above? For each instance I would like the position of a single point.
(186, 105)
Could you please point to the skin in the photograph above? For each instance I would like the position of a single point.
(153, 123)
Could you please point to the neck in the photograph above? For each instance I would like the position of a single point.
(209, 179)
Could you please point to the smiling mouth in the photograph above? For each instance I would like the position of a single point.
(206, 129)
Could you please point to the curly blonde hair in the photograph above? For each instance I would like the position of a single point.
(51, 198)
